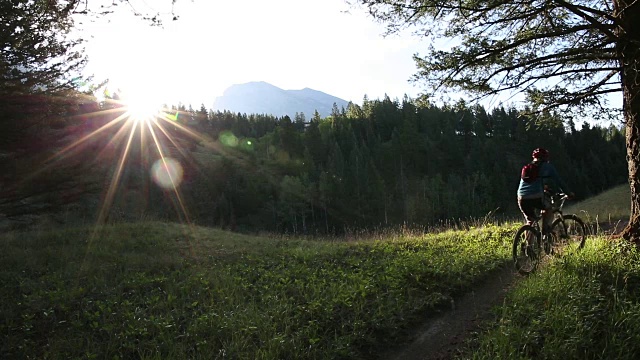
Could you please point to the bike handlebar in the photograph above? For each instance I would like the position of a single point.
(562, 196)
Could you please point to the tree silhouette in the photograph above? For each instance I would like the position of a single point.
(39, 75)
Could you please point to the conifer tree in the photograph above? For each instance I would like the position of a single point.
(39, 73)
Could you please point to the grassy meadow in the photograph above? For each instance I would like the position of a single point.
(154, 290)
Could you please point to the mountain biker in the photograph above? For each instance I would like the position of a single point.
(532, 195)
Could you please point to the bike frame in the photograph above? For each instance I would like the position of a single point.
(557, 203)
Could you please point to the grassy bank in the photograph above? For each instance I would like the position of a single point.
(585, 306)
(608, 208)
(166, 291)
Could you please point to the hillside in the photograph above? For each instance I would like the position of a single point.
(171, 291)
(264, 98)
(610, 206)
(175, 291)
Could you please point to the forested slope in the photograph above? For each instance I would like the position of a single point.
(384, 163)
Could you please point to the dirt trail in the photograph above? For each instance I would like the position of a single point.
(441, 336)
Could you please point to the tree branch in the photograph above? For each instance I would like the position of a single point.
(578, 11)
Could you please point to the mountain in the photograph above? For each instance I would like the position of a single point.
(264, 98)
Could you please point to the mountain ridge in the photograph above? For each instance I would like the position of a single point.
(260, 97)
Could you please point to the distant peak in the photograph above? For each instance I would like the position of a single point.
(255, 83)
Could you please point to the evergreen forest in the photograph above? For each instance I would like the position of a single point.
(381, 164)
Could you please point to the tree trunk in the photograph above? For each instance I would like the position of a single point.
(629, 54)
(326, 220)
(311, 204)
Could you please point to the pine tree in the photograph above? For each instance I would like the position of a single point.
(299, 122)
(313, 142)
(40, 104)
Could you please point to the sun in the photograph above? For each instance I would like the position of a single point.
(141, 105)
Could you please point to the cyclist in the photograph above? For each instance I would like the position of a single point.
(531, 191)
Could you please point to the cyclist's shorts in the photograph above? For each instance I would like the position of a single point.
(530, 208)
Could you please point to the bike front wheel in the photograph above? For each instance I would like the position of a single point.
(570, 229)
(526, 249)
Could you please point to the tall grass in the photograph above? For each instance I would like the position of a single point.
(166, 291)
(584, 306)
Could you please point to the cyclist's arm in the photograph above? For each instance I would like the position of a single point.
(562, 186)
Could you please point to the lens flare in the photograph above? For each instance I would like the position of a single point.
(246, 145)
(167, 173)
(227, 138)
(130, 130)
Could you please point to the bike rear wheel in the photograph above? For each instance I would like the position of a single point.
(526, 249)
(570, 231)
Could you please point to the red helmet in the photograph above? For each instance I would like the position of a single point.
(540, 153)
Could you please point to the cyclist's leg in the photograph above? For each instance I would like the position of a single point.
(528, 208)
(547, 213)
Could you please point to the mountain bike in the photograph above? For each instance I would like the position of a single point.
(530, 244)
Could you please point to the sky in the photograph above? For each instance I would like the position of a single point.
(325, 45)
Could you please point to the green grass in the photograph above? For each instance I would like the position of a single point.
(608, 207)
(584, 306)
(167, 291)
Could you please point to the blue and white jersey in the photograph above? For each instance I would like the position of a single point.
(548, 175)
